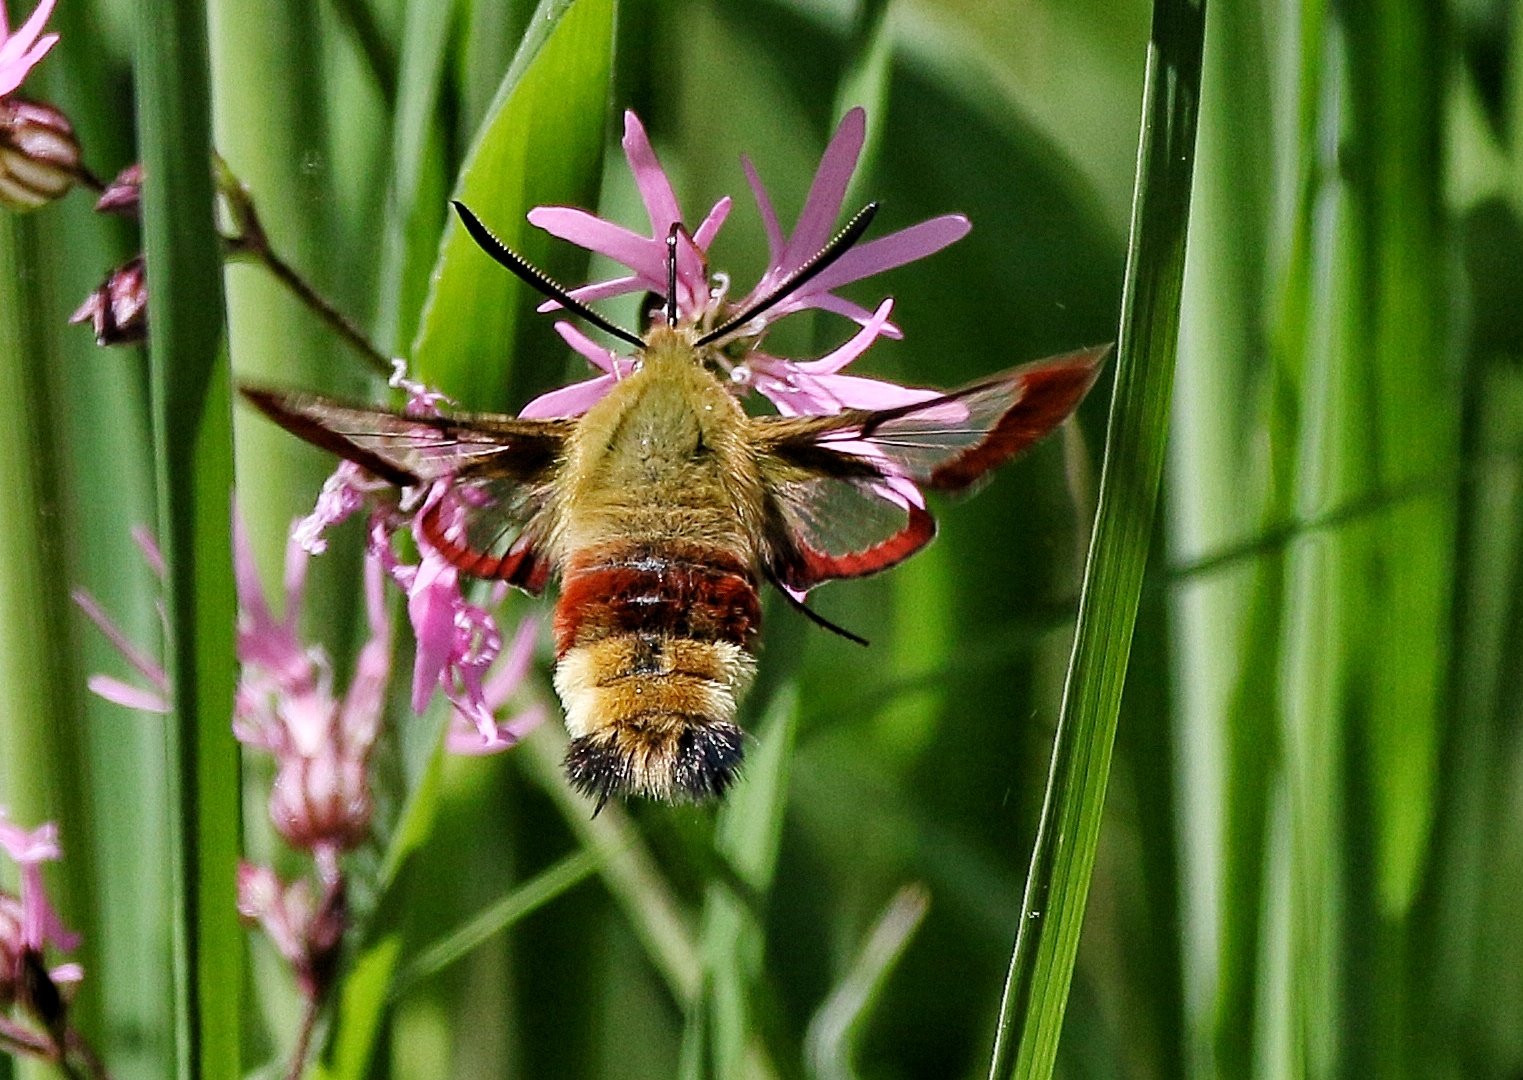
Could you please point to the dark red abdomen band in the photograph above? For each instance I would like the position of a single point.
(698, 594)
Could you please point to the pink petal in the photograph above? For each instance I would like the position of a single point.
(20, 51)
(600, 290)
(114, 690)
(860, 342)
(599, 357)
(692, 278)
(511, 672)
(360, 719)
(650, 178)
(146, 665)
(768, 214)
(27, 847)
(853, 392)
(836, 305)
(295, 578)
(570, 400)
(41, 924)
(143, 537)
(246, 577)
(827, 191)
(887, 252)
(66, 974)
(431, 604)
(463, 738)
(645, 256)
(712, 224)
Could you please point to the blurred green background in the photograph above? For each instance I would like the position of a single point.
(1312, 858)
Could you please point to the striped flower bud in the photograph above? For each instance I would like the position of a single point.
(39, 155)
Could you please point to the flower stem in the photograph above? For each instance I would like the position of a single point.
(251, 241)
(81, 1049)
(309, 1017)
(15, 1039)
(287, 276)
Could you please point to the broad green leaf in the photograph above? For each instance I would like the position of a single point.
(192, 419)
(1057, 887)
(542, 142)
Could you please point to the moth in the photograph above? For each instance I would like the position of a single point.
(664, 508)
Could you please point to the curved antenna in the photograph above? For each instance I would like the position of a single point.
(531, 275)
(832, 251)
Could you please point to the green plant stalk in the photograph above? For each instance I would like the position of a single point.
(191, 390)
(40, 707)
(1041, 965)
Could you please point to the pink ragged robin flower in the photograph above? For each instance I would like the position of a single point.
(29, 925)
(321, 800)
(458, 642)
(794, 387)
(306, 929)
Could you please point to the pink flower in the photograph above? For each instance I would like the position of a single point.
(645, 255)
(458, 641)
(285, 704)
(795, 387)
(19, 52)
(29, 924)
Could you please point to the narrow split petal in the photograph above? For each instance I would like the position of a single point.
(828, 190)
(650, 178)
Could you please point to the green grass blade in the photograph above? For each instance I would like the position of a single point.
(833, 1032)
(1041, 966)
(542, 143)
(524, 900)
(415, 198)
(192, 413)
(367, 985)
(266, 64)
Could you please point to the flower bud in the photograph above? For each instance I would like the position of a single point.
(118, 310)
(39, 155)
(123, 194)
(321, 801)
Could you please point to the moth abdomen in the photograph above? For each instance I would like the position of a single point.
(653, 656)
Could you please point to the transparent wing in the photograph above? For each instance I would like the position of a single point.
(947, 443)
(407, 450)
(845, 489)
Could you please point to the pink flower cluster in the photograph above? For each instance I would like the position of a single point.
(460, 646)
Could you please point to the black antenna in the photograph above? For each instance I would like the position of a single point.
(671, 272)
(827, 255)
(532, 275)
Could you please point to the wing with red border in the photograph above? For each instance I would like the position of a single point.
(500, 470)
(845, 488)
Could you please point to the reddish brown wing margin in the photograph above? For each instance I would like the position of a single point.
(509, 456)
(1008, 413)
